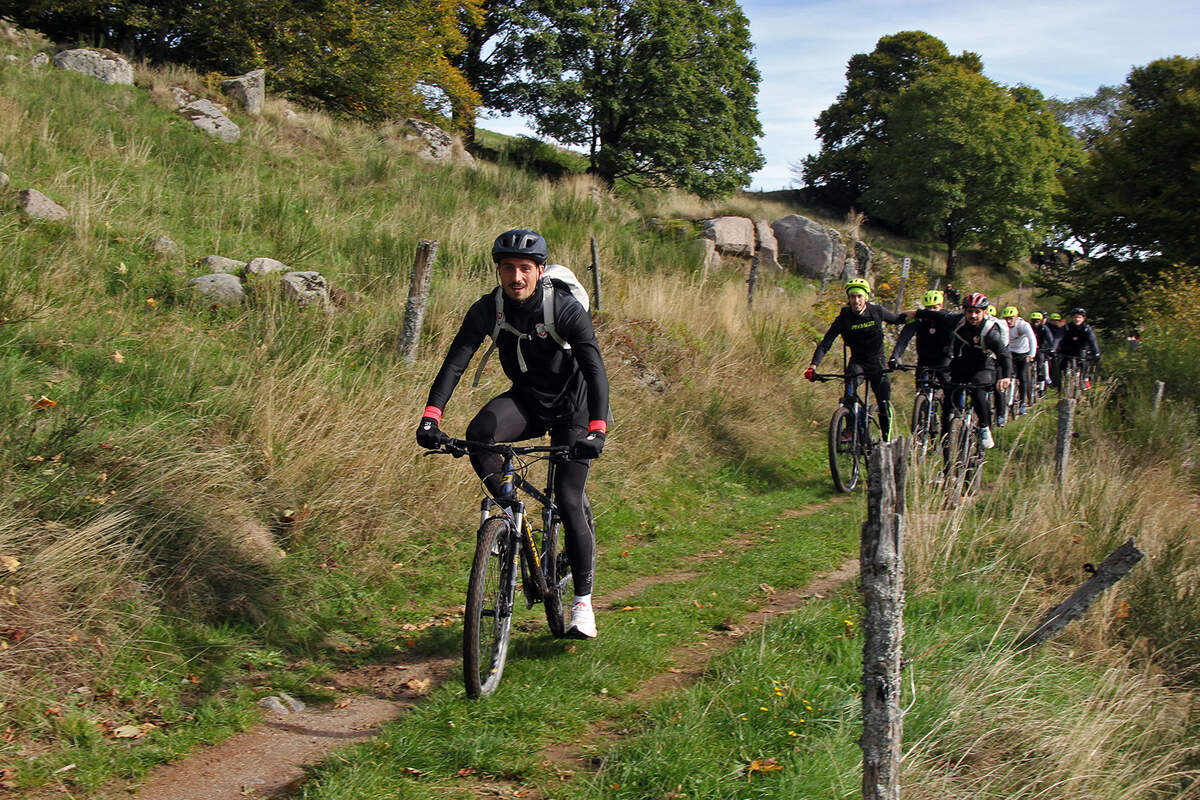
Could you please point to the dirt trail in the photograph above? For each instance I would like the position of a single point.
(268, 760)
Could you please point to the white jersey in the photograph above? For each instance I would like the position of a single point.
(1021, 340)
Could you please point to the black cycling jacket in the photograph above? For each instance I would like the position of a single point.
(1078, 340)
(558, 382)
(862, 333)
(969, 351)
(1045, 339)
(933, 342)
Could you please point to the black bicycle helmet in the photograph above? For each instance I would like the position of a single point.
(522, 244)
(1080, 311)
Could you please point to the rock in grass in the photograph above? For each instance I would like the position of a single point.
(306, 288)
(248, 90)
(38, 206)
(220, 288)
(39, 60)
(163, 246)
(273, 703)
(206, 116)
(103, 65)
(265, 266)
(222, 264)
(293, 705)
(3, 180)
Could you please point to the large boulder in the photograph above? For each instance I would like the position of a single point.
(248, 90)
(210, 118)
(265, 266)
(768, 247)
(733, 236)
(38, 206)
(103, 65)
(864, 259)
(220, 288)
(438, 145)
(39, 60)
(806, 244)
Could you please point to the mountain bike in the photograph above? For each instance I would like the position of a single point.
(507, 547)
(964, 454)
(853, 433)
(926, 414)
(1073, 374)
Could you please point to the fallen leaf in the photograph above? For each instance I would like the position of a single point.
(418, 685)
(45, 402)
(128, 732)
(53, 711)
(9, 563)
(13, 632)
(416, 773)
(8, 735)
(8, 778)
(767, 765)
(341, 704)
(1123, 611)
(465, 771)
(117, 357)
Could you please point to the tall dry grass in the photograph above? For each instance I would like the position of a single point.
(1043, 723)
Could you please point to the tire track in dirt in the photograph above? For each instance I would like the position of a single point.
(269, 759)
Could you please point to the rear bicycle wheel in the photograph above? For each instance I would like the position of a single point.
(488, 619)
(843, 446)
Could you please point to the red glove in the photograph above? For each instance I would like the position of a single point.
(810, 374)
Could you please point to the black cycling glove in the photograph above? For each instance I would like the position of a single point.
(589, 446)
(429, 435)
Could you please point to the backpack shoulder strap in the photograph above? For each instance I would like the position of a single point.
(498, 299)
(548, 323)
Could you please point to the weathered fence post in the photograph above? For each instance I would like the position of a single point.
(882, 565)
(418, 298)
(1116, 566)
(1159, 388)
(1066, 429)
(595, 268)
(753, 279)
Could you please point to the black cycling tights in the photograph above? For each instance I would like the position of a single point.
(880, 385)
(504, 419)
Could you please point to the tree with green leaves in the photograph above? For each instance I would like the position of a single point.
(1135, 205)
(855, 127)
(660, 92)
(362, 58)
(966, 158)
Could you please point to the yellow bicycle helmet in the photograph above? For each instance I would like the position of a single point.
(859, 285)
(1036, 316)
(933, 298)
(991, 310)
(1009, 311)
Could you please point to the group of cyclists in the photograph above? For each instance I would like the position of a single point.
(547, 348)
(993, 355)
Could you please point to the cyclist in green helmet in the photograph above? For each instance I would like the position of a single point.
(933, 340)
(860, 324)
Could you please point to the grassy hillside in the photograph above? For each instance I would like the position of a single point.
(201, 506)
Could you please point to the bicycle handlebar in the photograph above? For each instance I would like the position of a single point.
(461, 447)
(841, 376)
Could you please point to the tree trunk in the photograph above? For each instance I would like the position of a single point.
(951, 254)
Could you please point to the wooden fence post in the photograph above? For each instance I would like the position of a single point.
(882, 565)
(1159, 388)
(753, 279)
(1066, 430)
(418, 299)
(595, 268)
(1116, 566)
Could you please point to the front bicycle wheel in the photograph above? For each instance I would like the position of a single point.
(489, 608)
(958, 441)
(843, 450)
(558, 575)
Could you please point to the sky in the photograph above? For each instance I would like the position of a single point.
(1065, 49)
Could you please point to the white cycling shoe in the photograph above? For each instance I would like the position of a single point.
(583, 621)
(985, 438)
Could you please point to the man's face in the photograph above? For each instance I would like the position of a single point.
(519, 277)
(1012, 321)
(974, 316)
(857, 302)
(1077, 319)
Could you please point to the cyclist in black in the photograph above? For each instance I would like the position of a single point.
(977, 348)
(557, 389)
(1079, 341)
(933, 341)
(1045, 345)
(860, 324)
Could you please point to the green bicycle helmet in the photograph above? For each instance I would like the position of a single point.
(933, 298)
(859, 285)
(1036, 316)
(1055, 316)
(1009, 311)
(991, 310)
